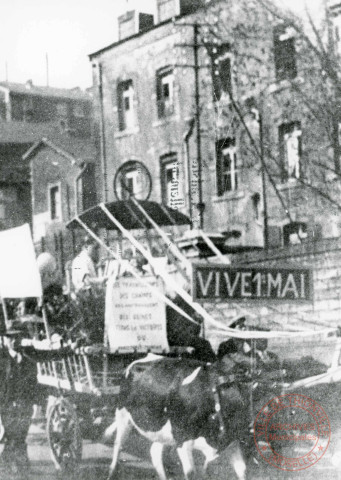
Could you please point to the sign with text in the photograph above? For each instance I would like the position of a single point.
(213, 283)
(135, 316)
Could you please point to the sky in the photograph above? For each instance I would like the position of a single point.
(61, 34)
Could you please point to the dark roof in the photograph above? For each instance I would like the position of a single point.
(79, 150)
(25, 132)
(130, 216)
(30, 89)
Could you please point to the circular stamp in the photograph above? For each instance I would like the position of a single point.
(292, 432)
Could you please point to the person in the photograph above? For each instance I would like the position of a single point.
(89, 294)
(19, 391)
(83, 270)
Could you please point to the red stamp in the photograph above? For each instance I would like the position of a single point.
(292, 432)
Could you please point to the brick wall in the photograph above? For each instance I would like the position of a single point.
(324, 259)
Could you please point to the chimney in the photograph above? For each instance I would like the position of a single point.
(167, 9)
(133, 22)
(29, 84)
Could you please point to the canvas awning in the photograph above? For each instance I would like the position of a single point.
(128, 214)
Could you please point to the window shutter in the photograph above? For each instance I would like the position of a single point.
(159, 98)
(121, 123)
(219, 170)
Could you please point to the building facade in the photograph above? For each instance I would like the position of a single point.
(27, 114)
(217, 103)
(70, 108)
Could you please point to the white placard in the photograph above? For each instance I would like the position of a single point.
(19, 273)
(135, 318)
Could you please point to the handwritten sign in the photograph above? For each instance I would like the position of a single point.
(213, 283)
(137, 318)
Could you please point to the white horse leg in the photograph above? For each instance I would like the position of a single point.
(237, 460)
(123, 427)
(156, 455)
(209, 452)
(185, 453)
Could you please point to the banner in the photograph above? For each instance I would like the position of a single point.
(19, 274)
(135, 318)
(212, 283)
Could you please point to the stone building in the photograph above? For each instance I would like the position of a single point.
(224, 104)
(158, 80)
(27, 114)
(28, 103)
(63, 183)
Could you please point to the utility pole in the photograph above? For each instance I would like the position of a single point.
(265, 201)
(102, 133)
(200, 205)
(196, 169)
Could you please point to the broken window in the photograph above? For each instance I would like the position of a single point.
(221, 70)
(226, 166)
(165, 92)
(126, 115)
(291, 150)
(284, 53)
(294, 233)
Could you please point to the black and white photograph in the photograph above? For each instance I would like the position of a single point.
(170, 240)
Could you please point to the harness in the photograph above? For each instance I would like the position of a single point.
(215, 382)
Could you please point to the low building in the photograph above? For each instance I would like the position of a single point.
(63, 180)
(71, 108)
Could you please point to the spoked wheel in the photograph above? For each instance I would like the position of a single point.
(64, 435)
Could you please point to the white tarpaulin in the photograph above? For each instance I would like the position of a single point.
(19, 274)
(135, 318)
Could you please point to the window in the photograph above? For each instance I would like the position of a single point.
(55, 202)
(8, 200)
(285, 54)
(294, 233)
(221, 74)
(86, 188)
(255, 205)
(226, 166)
(165, 93)
(170, 183)
(166, 9)
(28, 109)
(126, 105)
(291, 150)
(62, 109)
(78, 111)
(131, 183)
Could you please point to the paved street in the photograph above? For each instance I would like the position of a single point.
(96, 459)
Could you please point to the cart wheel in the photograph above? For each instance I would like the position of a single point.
(64, 435)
